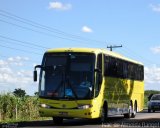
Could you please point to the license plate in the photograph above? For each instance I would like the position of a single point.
(63, 113)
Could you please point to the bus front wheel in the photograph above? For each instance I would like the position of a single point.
(57, 120)
(104, 113)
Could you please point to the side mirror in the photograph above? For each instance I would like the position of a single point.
(35, 76)
(35, 72)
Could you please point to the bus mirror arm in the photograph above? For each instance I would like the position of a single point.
(97, 70)
(35, 72)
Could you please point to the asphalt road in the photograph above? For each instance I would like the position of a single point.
(142, 119)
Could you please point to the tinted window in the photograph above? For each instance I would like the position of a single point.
(116, 67)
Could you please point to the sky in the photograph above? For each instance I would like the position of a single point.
(28, 28)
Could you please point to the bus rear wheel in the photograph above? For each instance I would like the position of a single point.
(57, 120)
(134, 110)
(130, 110)
(149, 110)
(128, 115)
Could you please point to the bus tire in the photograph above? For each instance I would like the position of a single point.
(57, 120)
(130, 109)
(134, 110)
(149, 110)
(128, 115)
(104, 113)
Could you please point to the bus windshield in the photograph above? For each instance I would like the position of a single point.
(67, 76)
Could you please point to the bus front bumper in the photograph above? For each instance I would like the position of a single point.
(69, 113)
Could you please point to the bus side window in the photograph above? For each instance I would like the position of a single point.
(132, 72)
(125, 71)
(106, 66)
(120, 68)
(139, 73)
(129, 70)
(142, 73)
(113, 67)
(99, 62)
(99, 66)
(98, 75)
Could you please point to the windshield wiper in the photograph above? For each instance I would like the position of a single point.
(56, 69)
(71, 87)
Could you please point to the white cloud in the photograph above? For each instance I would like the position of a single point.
(152, 77)
(155, 8)
(17, 60)
(86, 29)
(14, 75)
(59, 6)
(156, 50)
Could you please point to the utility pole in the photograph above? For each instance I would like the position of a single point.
(115, 46)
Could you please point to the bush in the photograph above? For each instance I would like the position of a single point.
(18, 108)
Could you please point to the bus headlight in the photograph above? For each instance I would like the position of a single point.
(86, 106)
(44, 106)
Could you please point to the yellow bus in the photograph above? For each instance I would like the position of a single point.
(89, 83)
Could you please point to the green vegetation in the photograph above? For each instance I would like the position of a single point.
(15, 108)
(19, 92)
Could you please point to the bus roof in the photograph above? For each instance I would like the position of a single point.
(94, 50)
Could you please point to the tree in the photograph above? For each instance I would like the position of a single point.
(19, 92)
(36, 93)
